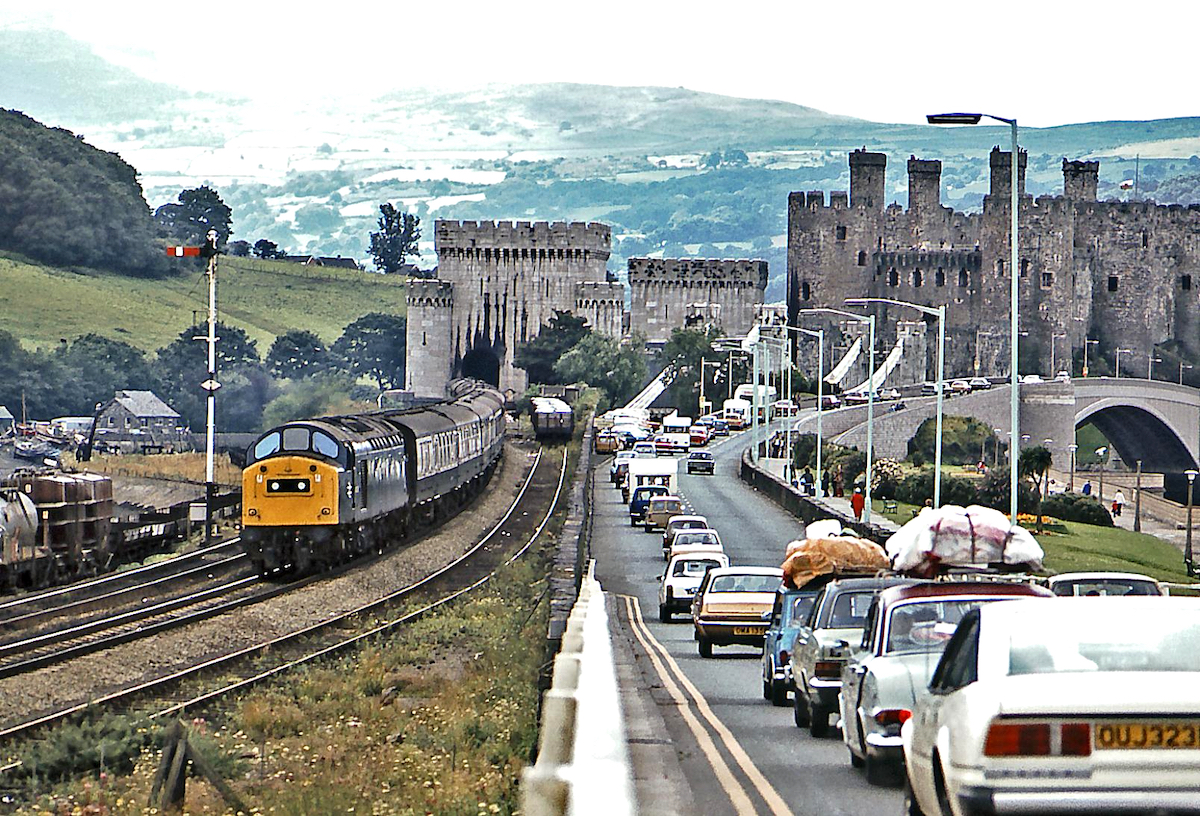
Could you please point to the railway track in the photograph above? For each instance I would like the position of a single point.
(523, 522)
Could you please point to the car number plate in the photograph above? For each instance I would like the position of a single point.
(749, 630)
(1129, 735)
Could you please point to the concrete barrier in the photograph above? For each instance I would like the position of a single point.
(583, 761)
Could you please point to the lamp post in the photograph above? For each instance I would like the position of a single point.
(1102, 452)
(1053, 337)
(1137, 500)
(870, 321)
(974, 119)
(1187, 549)
(1182, 366)
(940, 312)
(996, 449)
(1087, 343)
(703, 365)
(1071, 479)
(820, 335)
(1121, 351)
(1150, 361)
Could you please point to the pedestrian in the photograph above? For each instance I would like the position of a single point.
(1087, 488)
(825, 484)
(857, 502)
(1118, 503)
(839, 482)
(806, 480)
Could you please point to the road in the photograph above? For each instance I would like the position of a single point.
(739, 753)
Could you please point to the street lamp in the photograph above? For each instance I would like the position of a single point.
(870, 321)
(1071, 479)
(1187, 550)
(940, 312)
(1087, 343)
(1150, 361)
(703, 365)
(820, 335)
(1053, 337)
(996, 449)
(1102, 452)
(1121, 351)
(974, 119)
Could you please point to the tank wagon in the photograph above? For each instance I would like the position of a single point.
(320, 491)
(54, 526)
(552, 418)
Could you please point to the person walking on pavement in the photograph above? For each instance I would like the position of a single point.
(825, 484)
(1118, 504)
(857, 502)
(838, 482)
(1087, 488)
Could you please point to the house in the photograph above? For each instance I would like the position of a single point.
(138, 410)
(314, 260)
(6, 420)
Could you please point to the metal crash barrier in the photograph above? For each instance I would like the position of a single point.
(583, 763)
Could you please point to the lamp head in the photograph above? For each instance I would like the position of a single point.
(1102, 450)
(1191, 474)
(953, 118)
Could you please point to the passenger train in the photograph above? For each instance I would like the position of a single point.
(552, 418)
(320, 491)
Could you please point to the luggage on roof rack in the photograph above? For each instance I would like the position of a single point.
(972, 538)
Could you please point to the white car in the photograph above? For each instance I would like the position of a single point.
(695, 541)
(1031, 379)
(677, 523)
(683, 575)
(1062, 376)
(960, 387)
(1080, 705)
(1104, 583)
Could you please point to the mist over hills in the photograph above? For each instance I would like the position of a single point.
(674, 171)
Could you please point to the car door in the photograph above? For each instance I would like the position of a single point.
(850, 696)
(958, 668)
(771, 638)
(806, 642)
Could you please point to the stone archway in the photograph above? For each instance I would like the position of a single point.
(1137, 433)
(482, 363)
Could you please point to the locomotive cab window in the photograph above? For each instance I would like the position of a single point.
(324, 445)
(295, 439)
(267, 445)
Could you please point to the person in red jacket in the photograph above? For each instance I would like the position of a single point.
(856, 503)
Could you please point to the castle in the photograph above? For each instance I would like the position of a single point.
(1120, 273)
(499, 283)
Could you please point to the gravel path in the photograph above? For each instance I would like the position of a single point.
(57, 687)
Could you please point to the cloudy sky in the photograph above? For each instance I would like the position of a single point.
(1046, 62)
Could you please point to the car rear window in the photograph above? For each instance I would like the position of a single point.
(695, 568)
(688, 539)
(925, 626)
(1106, 586)
(745, 583)
(1080, 641)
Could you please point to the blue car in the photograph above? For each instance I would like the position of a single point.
(790, 610)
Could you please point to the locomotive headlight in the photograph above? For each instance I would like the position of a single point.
(253, 511)
(324, 511)
(302, 485)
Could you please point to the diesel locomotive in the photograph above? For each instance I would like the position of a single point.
(320, 491)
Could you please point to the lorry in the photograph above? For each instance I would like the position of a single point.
(644, 472)
(675, 435)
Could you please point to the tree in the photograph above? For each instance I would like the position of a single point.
(374, 346)
(605, 363)
(239, 249)
(199, 210)
(685, 350)
(297, 354)
(539, 356)
(396, 239)
(97, 366)
(1035, 463)
(183, 364)
(266, 249)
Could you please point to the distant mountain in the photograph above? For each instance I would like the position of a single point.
(52, 77)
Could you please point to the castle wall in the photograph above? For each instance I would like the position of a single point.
(602, 305)
(666, 291)
(429, 356)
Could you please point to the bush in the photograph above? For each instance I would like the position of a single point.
(1075, 507)
(885, 475)
(962, 440)
(917, 488)
(994, 492)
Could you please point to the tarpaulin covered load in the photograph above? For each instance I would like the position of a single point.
(808, 558)
(961, 537)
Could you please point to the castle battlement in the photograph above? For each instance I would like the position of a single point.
(593, 237)
(689, 271)
(430, 293)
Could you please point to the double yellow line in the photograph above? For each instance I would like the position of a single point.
(693, 703)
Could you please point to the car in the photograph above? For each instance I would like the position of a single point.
(659, 511)
(929, 389)
(619, 467)
(822, 645)
(906, 629)
(720, 427)
(682, 578)
(1068, 584)
(1030, 379)
(683, 522)
(1062, 376)
(856, 398)
(695, 541)
(977, 383)
(791, 608)
(729, 605)
(785, 408)
(607, 442)
(889, 394)
(670, 444)
(699, 434)
(639, 500)
(960, 387)
(645, 449)
(829, 401)
(1082, 705)
(700, 462)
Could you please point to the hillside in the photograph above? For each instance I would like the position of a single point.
(41, 305)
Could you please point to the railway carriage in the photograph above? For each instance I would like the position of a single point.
(317, 492)
(552, 418)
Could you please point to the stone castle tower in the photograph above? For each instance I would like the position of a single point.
(498, 284)
(667, 292)
(1118, 272)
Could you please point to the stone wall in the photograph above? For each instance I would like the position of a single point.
(665, 291)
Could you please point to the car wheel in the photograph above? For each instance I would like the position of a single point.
(704, 645)
(799, 710)
(911, 807)
(939, 785)
(818, 721)
(766, 690)
(880, 772)
(664, 614)
(855, 759)
(778, 693)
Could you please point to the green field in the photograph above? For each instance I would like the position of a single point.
(41, 305)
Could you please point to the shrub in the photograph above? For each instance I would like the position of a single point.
(1075, 507)
(917, 488)
(962, 440)
(994, 492)
(885, 475)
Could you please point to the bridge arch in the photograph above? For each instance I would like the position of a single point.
(482, 363)
(1138, 432)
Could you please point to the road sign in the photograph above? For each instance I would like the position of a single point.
(183, 252)
(210, 385)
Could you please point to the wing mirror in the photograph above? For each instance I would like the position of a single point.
(766, 616)
(659, 579)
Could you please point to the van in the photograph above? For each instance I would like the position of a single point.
(639, 500)
(660, 510)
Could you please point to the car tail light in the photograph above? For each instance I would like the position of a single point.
(892, 716)
(827, 669)
(1077, 739)
(784, 656)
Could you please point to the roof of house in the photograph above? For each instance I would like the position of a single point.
(340, 262)
(144, 404)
